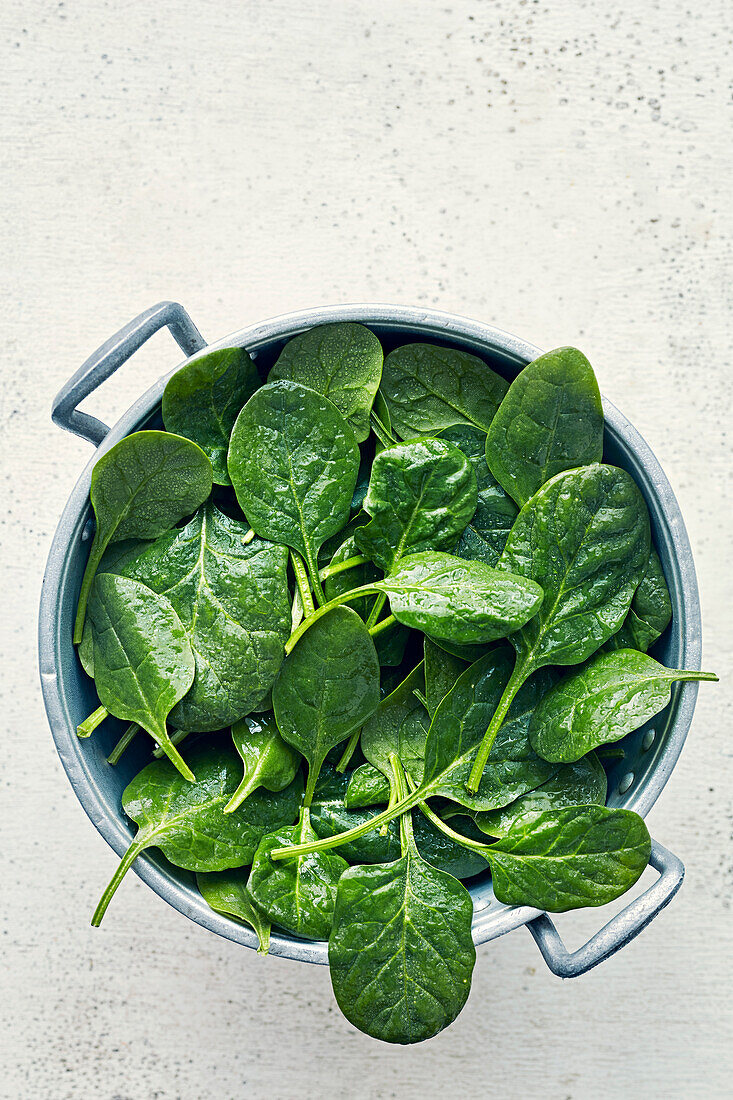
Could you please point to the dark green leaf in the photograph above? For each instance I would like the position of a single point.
(339, 583)
(421, 496)
(568, 859)
(650, 612)
(341, 361)
(187, 820)
(604, 700)
(428, 388)
(399, 725)
(202, 400)
(330, 816)
(572, 785)
(226, 892)
(367, 787)
(268, 761)
(140, 488)
(441, 672)
(550, 420)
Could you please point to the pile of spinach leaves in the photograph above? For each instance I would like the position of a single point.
(395, 609)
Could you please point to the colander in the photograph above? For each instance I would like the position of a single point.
(635, 782)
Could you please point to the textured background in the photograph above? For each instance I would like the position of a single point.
(562, 170)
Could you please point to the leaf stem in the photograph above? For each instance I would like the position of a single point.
(90, 723)
(125, 864)
(245, 787)
(398, 783)
(376, 610)
(301, 579)
(95, 556)
(341, 566)
(175, 739)
(168, 747)
(127, 738)
(248, 537)
(519, 675)
(345, 597)
(385, 624)
(349, 750)
(690, 674)
(459, 838)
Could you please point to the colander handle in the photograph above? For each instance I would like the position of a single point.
(111, 355)
(620, 930)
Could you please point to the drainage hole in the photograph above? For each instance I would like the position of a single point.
(625, 783)
(648, 740)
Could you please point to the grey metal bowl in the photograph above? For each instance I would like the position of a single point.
(634, 782)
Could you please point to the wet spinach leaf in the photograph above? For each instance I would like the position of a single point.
(441, 672)
(338, 583)
(226, 892)
(140, 488)
(327, 687)
(650, 612)
(143, 662)
(421, 496)
(187, 820)
(428, 388)
(551, 420)
(399, 725)
(568, 859)
(293, 462)
(607, 698)
(343, 362)
(269, 761)
(367, 787)
(202, 400)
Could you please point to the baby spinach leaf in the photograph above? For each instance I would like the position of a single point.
(140, 488)
(367, 787)
(232, 598)
(428, 388)
(572, 785)
(550, 420)
(485, 536)
(268, 761)
(568, 859)
(421, 496)
(202, 400)
(293, 462)
(382, 422)
(441, 672)
(187, 820)
(604, 700)
(400, 952)
(584, 536)
(327, 687)
(226, 892)
(330, 816)
(650, 612)
(341, 361)
(399, 725)
(338, 583)
(297, 894)
(143, 662)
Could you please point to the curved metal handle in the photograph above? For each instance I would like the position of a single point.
(111, 355)
(620, 930)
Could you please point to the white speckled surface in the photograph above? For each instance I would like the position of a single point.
(560, 169)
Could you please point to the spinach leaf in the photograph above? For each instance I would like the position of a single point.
(604, 700)
(551, 420)
(341, 361)
(330, 816)
(293, 462)
(367, 787)
(428, 388)
(268, 761)
(421, 496)
(187, 820)
(140, 488)
(485, 536)
(399, 725)
(572, 785)
(584, 536)
(381, 422)
(143, 662)
(441, 672)
(327, 687)
(338, 583)
(232, 597)
(226, 892)
(650, 612)
(202, 400)
(568, 859)
(400, 952)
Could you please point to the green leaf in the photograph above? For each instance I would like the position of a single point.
(568, 859)
(428, 388)
(604, 700)
(298, 894)
(268, 761)
(293, 462)
(400, 952)
(485, 536)
(226, 892)
(232, 598)
(441, 672)
(399, 725)
(343, 362)
(367, 787)
(143, 662)
(551, 420)
(327, 687)
(140, 488)
(421, 496)
(202, 400)
(650, 612)
(572, 785)
(187, 820)
(339, 583)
